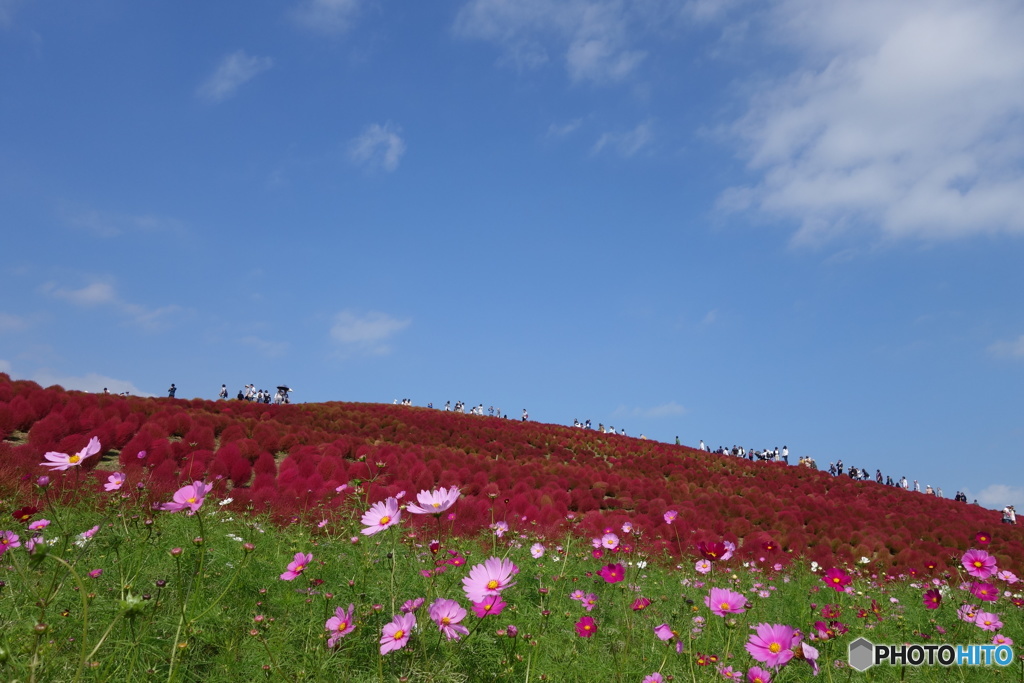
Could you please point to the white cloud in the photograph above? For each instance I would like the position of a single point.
(378, 147)
(903, 117)
(1008, 349)
(670, 409)
(368, 333)
(103, 293)
(234, 70)
(628, 143)
(594, 37)
(998, 496)
(326, 16)
(5, 366)
(91, 382)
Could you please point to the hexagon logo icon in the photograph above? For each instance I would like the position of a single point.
(861, 654)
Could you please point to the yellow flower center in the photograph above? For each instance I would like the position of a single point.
(487, 608)
(398, 634)
(979, 564)
(724, 606)
(436, 505)
(73, 459)
(299, 568)
(191, 500)
(445, 620)
(774, 648)
(384, 520)
(342, 625)
(492, 584)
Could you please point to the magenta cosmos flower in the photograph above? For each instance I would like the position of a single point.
(932, 599)
(837, 578)
(612, 573)
(340, 625)
(396, 634)
(979, 563)
(756, 674)
(62, 461)
(491, 605)
(447, 614)
(489, 578)
(187, 498)
(114, 482)
(670, 516)
(653, 678)
(434, 502)
(586, 627)
(985, 591)
(722, 601)
(380, 516)
(297, 566)
(772, 644)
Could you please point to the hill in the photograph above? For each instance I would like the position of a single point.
(304, 460)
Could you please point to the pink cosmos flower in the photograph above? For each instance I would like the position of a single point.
(500, 528)
(537, 550)
(722, 601)
(62, 461)
(729, 674)
(188, 498)
(772, 644)
(985, 591)
(610, 541)
(967, 613)
(95, 573)
(396, 634)
(932, 599)
(837, 578)
(612, 573)
(447, 614)
(979, 563)
(89, 533)
(434, 502)
(39, 524)
(586, 627)
(589, 601)
(297, 566)
(380, 516)
(1008, 576)
(8, 541)
(653, 678)
(411, 606)
(756, 674)
(640, 603)
(670, 516)
(1000, 639)
(491, 605)
(340, 625)
(627, 528)
(987, 621)
(114, 482)
(489, 578)
(703, 566)
(809, 653)
(664, 632)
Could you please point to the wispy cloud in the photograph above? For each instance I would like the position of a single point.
(1008, 349)
(595, 38)
(103, 224)
(271, 349)
(91, 382)
(104, 293)
(366, 333)
(902, 118)
(12, 323)
(233, 71)
(378, 147)
(670, 409)
(560, 130)
(626, 143)
(326, 16)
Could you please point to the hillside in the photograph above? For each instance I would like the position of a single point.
(292, 460)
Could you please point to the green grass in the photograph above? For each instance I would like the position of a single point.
(217, 612)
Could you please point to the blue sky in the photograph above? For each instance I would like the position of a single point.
(753, 223)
